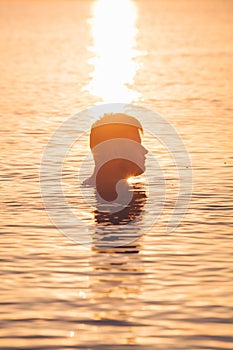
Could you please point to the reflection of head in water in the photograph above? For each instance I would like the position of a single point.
(120, 229)
(129, 213)
(115, 141)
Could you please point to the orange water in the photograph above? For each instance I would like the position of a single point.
(173, 291)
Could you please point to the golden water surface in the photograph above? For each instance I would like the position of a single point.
(170, 291)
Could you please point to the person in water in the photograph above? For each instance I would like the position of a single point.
(115, 142)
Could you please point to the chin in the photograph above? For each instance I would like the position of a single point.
(139, 171)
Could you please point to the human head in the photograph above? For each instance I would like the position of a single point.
(117, 138)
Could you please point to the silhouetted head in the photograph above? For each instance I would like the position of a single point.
(115, 142)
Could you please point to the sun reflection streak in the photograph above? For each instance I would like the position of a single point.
(114, 45)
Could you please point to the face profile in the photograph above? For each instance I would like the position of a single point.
(115, 142)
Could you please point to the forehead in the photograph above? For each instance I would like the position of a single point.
(110, 131)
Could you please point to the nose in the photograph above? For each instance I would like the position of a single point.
(145, 150)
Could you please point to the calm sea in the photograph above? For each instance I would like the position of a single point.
(168, 291)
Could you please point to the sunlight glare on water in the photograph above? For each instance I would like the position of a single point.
(113, 28)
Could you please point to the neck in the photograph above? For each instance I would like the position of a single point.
(107, 179)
